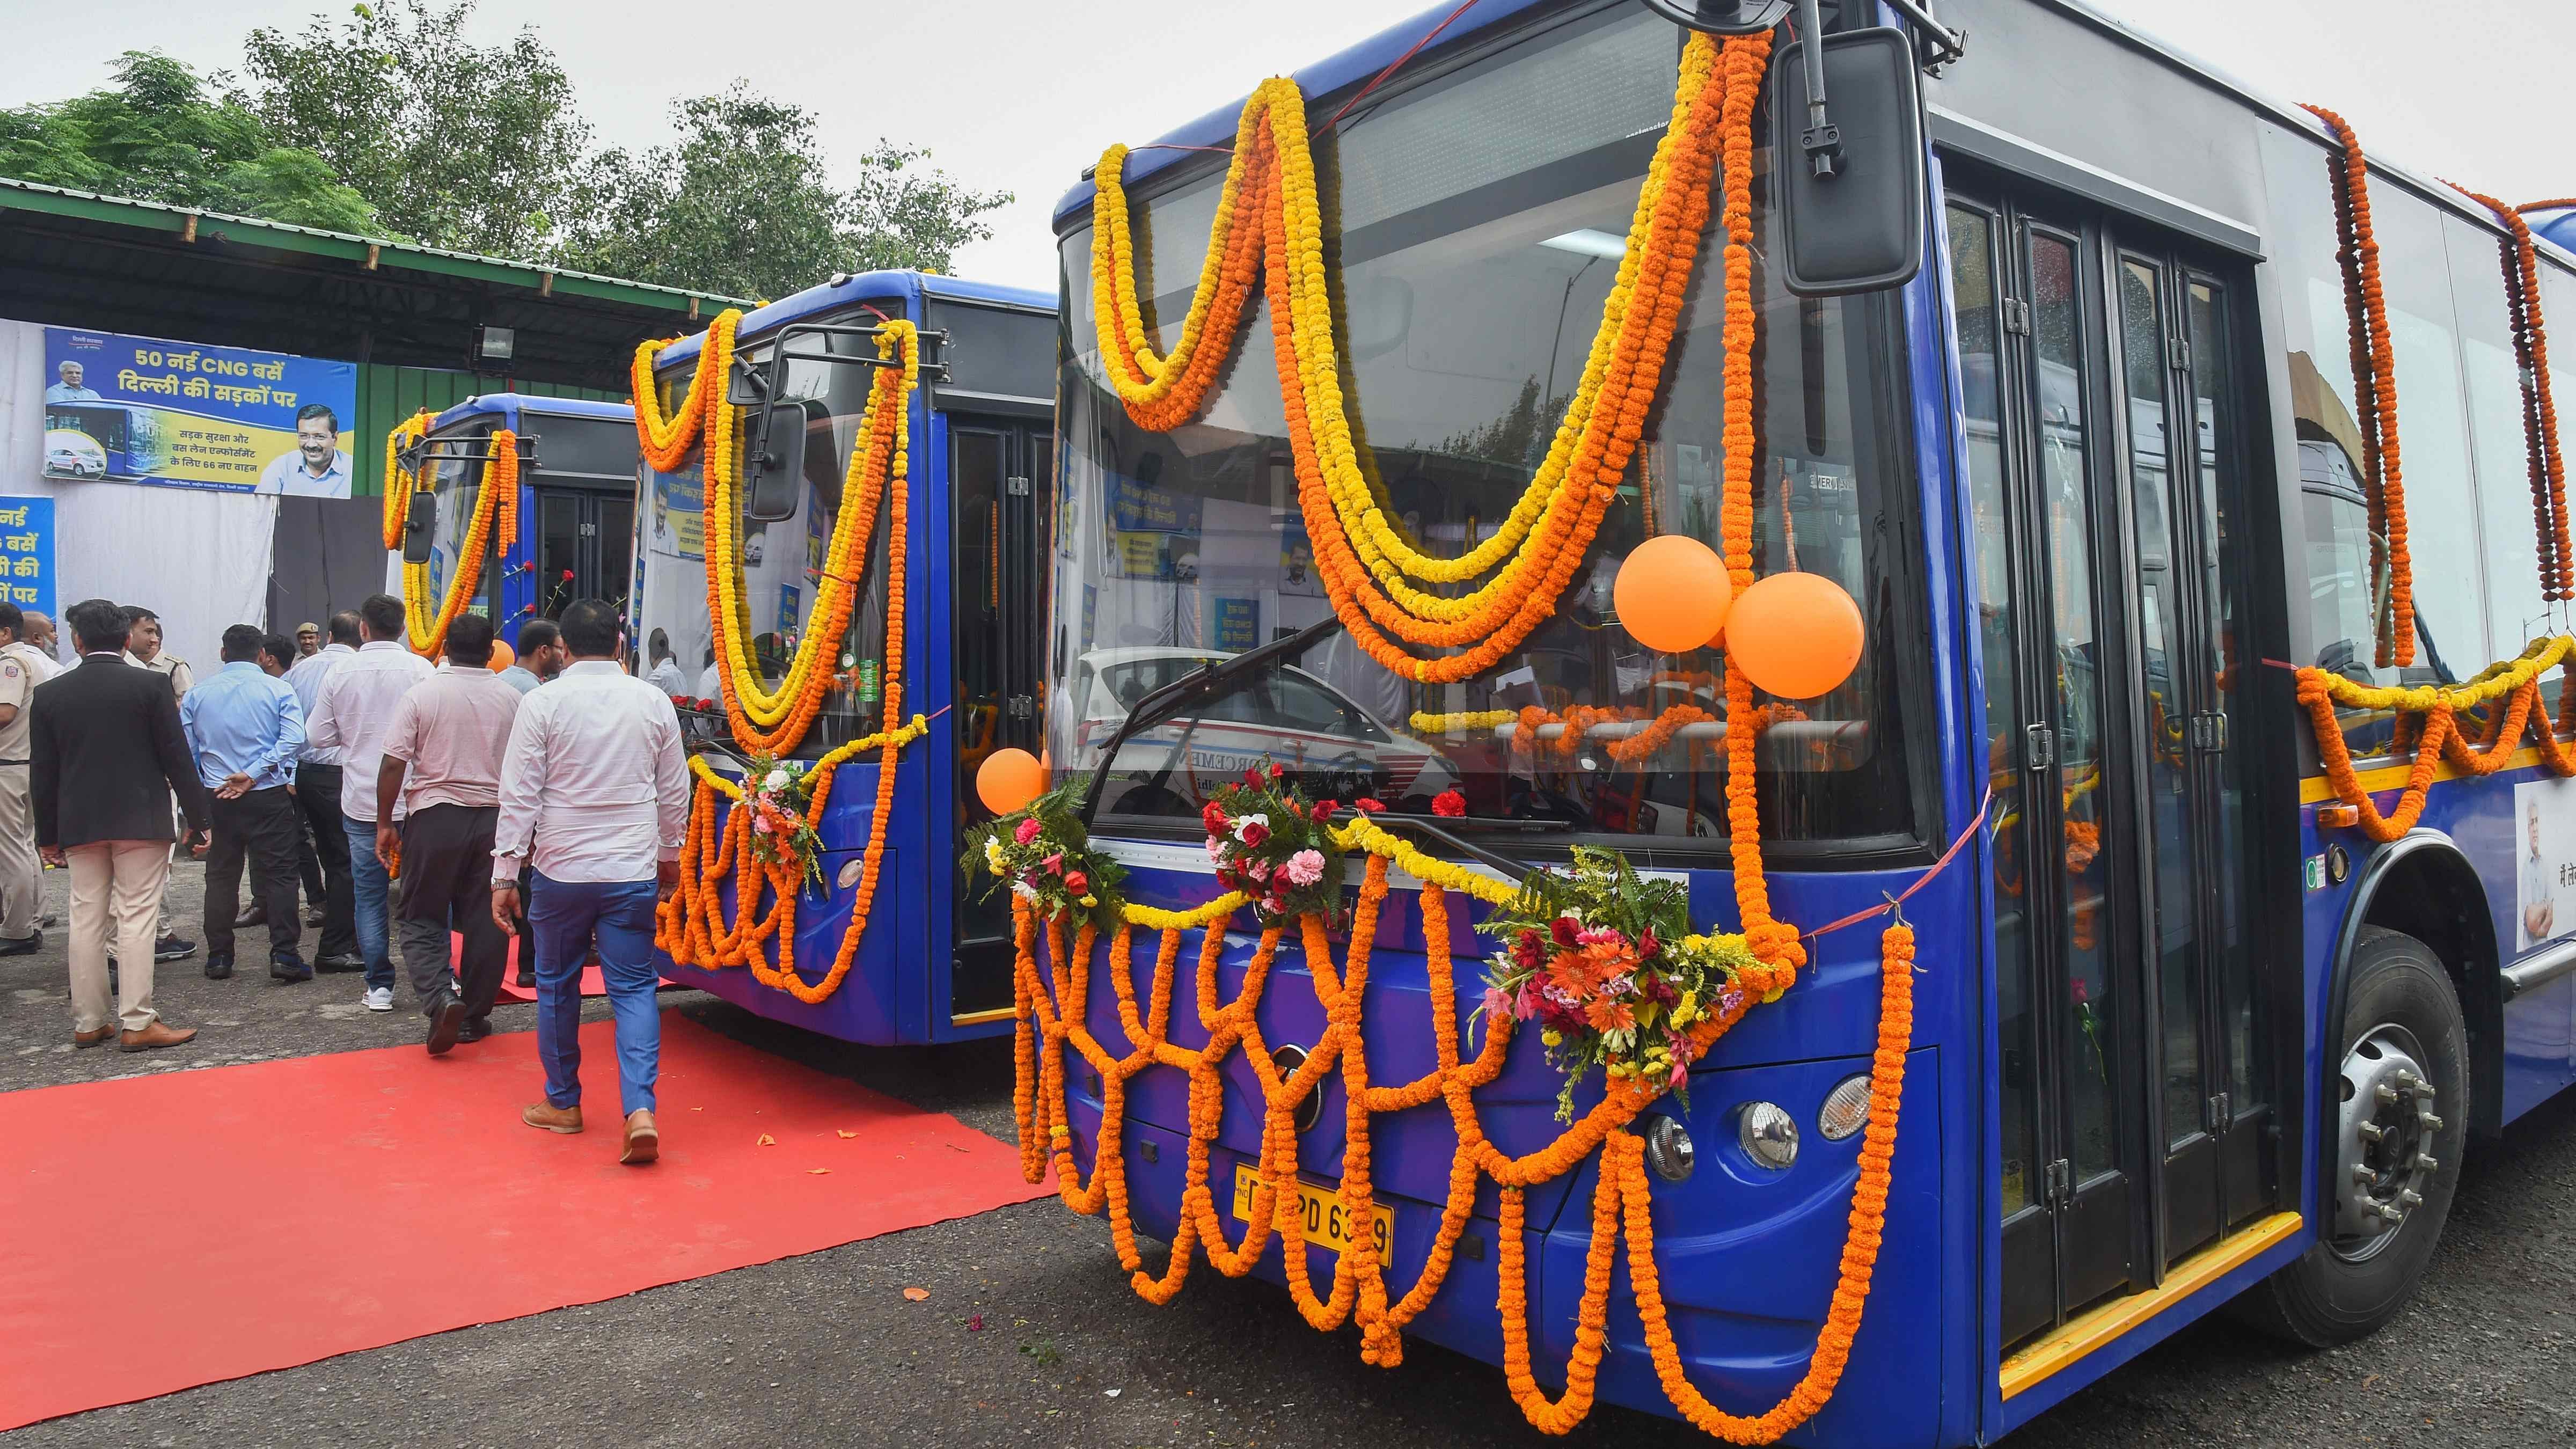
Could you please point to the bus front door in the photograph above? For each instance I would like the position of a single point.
(2096, 370)
(1000, 481)
(583, 547)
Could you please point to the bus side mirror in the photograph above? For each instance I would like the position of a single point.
(775, 471)
(1859, 227)
(420, 528)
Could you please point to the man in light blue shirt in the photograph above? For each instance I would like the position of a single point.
(244, 730)
(70, 387)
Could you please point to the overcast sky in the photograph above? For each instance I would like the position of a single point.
(1022, 94)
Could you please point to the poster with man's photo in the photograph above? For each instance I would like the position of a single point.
(2544, 817)
(122, 409)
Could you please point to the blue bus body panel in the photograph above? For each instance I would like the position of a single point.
(2539, 1049)
(898, 987)
(525, 413)
(866, 286)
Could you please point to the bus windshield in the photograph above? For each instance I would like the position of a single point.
(457, 483)
(781, 561)
(1477, 222)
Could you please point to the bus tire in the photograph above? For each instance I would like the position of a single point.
(2402, 1030)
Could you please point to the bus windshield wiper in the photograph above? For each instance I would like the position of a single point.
(1200, 687)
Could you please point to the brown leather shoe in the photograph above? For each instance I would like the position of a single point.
(99, 1037)
(547, 1117)
(643, 1140)
(159, 1034)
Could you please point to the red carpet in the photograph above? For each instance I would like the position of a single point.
(273, 1212)
(511, 990)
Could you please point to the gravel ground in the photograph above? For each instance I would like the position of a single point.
(825, 1348)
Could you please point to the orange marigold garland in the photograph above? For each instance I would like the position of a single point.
(1264, 223)
(2374, 380)
(1268, 221)
(2539, 404)
(692, 925)
(1052, 994)
(496, 505)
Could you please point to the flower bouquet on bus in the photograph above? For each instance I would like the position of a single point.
(1604, 961)
(780, 796)
(1042, 855)
(1276, 847)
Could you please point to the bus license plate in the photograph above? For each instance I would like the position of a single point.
(1319, 1213)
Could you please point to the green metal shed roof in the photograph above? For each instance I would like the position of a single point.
(371, 252)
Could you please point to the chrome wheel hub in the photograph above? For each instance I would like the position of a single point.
(2384, 1143)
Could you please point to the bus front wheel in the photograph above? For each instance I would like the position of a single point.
(2401, 1121)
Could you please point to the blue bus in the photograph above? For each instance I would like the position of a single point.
(933, 962)
(576, 506)
(2096, 462)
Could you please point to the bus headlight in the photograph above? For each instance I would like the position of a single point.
(1668, 1149)
(1768, 1133)
(1846, 1109)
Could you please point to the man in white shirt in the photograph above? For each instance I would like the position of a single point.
(317, 468)
(594, 795)
(665, 674)
(317, 795)
(350, 714)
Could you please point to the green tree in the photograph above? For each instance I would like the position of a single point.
(740, 202)
(157, 135)
(458, 145)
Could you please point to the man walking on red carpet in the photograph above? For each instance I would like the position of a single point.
(595, 795)
(107, 754)
(443, 770)
(350, 712)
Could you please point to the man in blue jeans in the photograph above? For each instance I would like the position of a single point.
(350, 715)
(595, 796)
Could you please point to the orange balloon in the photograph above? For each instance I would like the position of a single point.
(503, 656)
(1672, 593)
(1008, 780)
(1794, 635)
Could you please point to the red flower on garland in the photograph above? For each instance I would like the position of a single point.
(1212, 818)
(1367, 805)
(1449, 804)
(1322, 812)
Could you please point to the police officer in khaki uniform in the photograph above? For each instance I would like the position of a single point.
(21, 888)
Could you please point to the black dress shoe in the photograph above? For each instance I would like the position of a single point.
(26, 945)
(343, 962)
(173, 948)
(445, 1022)
(252, 916)
(317, 919)
(219, 965)
(526, 979)
(475, 1030)
(48, 921)
(289, 968)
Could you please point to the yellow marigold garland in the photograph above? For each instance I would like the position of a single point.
(496, 504)
(1268, 209)
(691, 926)
(2437, 736)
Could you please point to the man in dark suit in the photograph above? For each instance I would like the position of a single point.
(106, 754)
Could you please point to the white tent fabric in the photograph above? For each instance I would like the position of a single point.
(197, 558)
